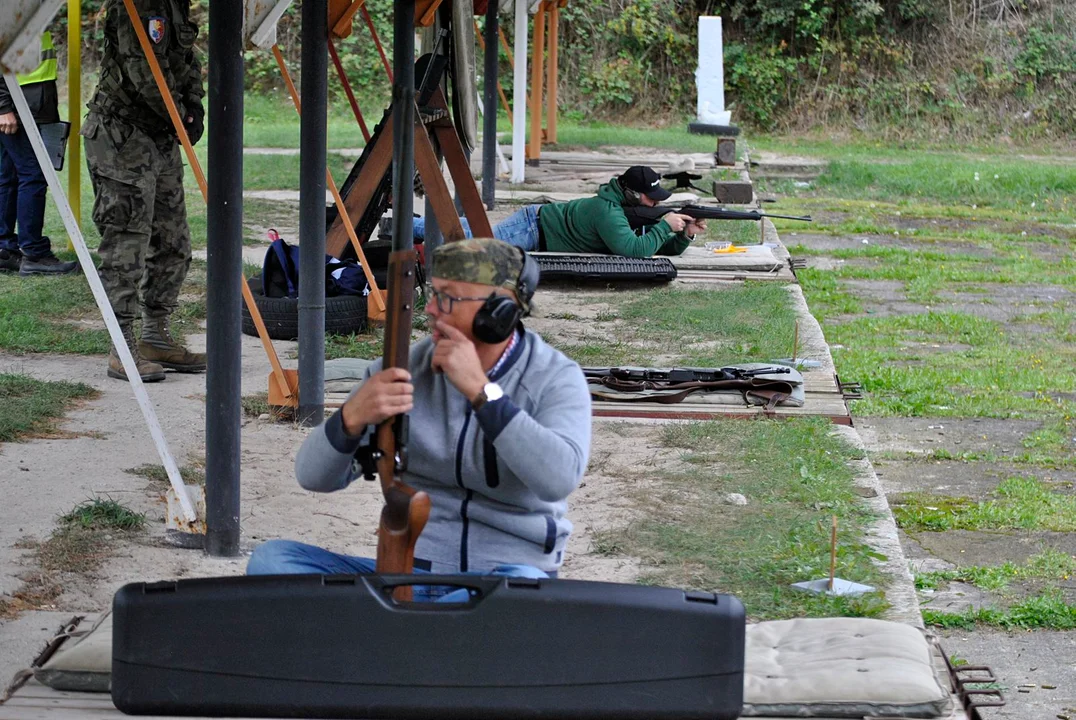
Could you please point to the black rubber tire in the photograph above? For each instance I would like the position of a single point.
(344, 314)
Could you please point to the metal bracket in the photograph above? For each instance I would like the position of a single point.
(849, 390)
(965, 675)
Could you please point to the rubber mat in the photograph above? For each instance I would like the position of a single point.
(564, 266)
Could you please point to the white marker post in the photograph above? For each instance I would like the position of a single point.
(710, 75)
(519, 95)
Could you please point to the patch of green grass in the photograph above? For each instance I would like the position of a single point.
(953, 180)
(31, 407)
(795, 475)
(1018, 503)
(1049, 564)
(828, 297)
(157, 474)
(103, 514)
(281, 172)
(33, 312)
(1046, 611)
(367, 347)
(752, 322)
(978, 369)
(738, 232)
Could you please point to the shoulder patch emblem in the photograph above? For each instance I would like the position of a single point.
(156, 29)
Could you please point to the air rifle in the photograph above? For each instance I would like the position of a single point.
(681, 375)
(640, 216)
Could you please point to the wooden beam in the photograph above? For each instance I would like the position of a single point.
(534, 151)
(433, 181)
(342, 16)
(552, 77)
(460, 170)
(363, 190)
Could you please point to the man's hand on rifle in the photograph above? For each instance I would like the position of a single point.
(382, 396)
(9, 123)
(695, 227)
(457, 358)
(677, 221)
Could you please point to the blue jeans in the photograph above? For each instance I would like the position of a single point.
(287, 557)
(519, 229)
(22, 197)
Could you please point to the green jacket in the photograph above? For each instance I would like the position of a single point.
(127, 89)
(598, 225)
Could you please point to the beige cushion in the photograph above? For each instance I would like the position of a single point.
(84, 662)
(840, 668)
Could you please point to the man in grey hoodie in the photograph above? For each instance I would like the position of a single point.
(499, 434)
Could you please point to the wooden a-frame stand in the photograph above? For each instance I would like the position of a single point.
(433, 119)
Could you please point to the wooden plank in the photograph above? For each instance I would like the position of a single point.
(435, 186)
(458, 168)
(534, 150)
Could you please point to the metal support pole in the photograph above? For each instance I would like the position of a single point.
(224, 273)
(403, 127)
(312, 140)
(489, 110)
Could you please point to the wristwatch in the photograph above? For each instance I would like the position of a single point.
(490, 392)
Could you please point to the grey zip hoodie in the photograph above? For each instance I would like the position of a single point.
(499, 478)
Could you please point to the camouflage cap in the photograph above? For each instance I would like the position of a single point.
(484, 261)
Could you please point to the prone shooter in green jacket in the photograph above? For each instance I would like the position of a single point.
(133, 156)
(598, 224)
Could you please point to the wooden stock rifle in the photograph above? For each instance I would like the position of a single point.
(406, 510)
(640, 216)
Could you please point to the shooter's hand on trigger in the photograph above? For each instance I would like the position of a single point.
(9, 123)
(383, 395)
(677, 221)
(696, 226)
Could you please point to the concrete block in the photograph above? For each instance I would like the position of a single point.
(726, 151)
(733, 192)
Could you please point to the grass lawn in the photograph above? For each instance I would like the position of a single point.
(795, 475)
(944, 282)
(30, 407)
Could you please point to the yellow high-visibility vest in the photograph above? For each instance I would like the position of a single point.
(48, 67)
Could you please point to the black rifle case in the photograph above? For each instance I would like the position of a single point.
(342, 646)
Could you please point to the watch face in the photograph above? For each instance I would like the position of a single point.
(493, 392)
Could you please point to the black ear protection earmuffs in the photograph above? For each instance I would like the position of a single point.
(632, 198)
(499, 315)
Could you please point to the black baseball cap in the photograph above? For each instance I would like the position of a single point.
(644, 180)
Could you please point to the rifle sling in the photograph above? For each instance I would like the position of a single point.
(773, 391)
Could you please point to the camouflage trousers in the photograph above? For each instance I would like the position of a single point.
(140, 210)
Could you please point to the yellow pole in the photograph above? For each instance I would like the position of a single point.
(74, 110)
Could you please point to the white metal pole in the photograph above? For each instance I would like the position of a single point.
(519, 95)
(90, 270)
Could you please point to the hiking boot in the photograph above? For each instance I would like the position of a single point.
(158, 345)
(46, 265)
(10, 260)
(148, 371)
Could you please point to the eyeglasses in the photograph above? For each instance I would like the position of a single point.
(446, 302)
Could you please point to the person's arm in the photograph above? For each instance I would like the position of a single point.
(7, 105)
(192, 92)
(675, 245)
(135, 65)
(549, 448)
(326, 460)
